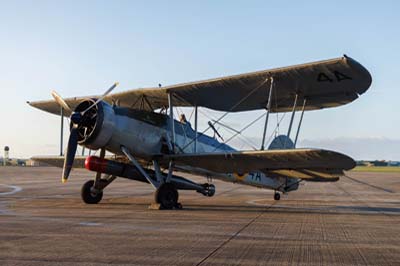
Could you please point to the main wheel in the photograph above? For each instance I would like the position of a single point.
(277, 196)
(88, 196)
(167, 196)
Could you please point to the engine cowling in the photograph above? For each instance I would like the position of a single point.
(97, 125)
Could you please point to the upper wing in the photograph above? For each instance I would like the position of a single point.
(324, 84)
(299, 163)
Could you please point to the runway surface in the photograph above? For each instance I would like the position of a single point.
(355, 221)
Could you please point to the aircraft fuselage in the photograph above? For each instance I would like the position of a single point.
(146, 134)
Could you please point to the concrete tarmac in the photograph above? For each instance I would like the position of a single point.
(355, 221)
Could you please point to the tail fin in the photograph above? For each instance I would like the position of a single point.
(281, 142)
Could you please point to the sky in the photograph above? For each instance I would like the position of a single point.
(80, 48)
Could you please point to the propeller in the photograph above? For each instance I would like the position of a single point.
(61, 101)
(70, 153)
(101, 98)
(78, 119)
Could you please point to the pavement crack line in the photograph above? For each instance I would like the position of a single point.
(233, 236)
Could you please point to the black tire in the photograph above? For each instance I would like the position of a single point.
(88, 196)
(277, 196)
(167, 196)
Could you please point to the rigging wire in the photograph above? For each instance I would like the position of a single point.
(239, 133)
(191, 114)
(232, 108)
(243, 138)
(276, 128)
(243, 129)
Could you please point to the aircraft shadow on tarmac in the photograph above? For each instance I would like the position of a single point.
(274, 208)
(370, 185)
(369, 209)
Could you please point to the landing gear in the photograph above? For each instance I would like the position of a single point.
(167, 196)
(277, 196)
(166, 186)
(89, 195)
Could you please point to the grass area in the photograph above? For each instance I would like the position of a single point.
(378, 169)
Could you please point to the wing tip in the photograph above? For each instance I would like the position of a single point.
(366, 75)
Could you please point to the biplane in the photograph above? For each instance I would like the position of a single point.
(149, 145)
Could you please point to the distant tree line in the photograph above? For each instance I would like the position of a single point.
(378, 163)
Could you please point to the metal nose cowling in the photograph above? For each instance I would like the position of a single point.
(80, 121)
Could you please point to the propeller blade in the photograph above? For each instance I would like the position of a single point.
(101, 98)
(61, 101)
(70, 154)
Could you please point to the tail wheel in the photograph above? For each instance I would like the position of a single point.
(167, 196)
(277, 196)
(87, 194)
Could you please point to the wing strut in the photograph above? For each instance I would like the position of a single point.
(195, 129)
(292, 117)
(268, 109)
(301, 120)
(171, 116)
(139, 167)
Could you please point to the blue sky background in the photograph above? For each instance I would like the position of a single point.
(81, 47)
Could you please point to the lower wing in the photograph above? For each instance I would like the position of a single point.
(308, 164)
